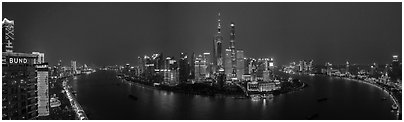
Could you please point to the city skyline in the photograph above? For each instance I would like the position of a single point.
(201, 61)
(113, 33)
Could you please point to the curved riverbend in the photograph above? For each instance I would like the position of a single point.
(103, 96)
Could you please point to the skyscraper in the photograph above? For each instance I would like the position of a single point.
(59, 69)
(396, 71)
(240, 64)
(233, 50)
(192, 67)
(74, 67)
(8, 35)
(228, 68)
(198, 67)
(171, 74)
(183, 68)
(42, 71)
(19, 86)
(217, 48)
(141, 65)
(208, 63)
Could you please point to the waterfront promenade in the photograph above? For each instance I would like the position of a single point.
(80, 114)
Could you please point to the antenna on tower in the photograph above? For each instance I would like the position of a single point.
(218, 22)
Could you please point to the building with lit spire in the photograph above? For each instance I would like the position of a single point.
(217, 47)
(233, 50)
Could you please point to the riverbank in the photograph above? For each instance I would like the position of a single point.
(109, 98)
(216, 91)
(376, 85)
(395, 100)
(64, 111)
(80, 114)
(191, 89)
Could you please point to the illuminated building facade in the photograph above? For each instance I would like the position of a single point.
(19, 88)
(228, 68)
(8, 35)
(232, 47)
(206, 57)
(200, 68)
(217, 47)
(192, 67)
(183, 68)
(74, 67)
(240, 64)
(43, 88)
(170, 72)
(396, 68)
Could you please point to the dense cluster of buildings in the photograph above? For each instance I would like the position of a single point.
(220, 66)
(389, 74)
(27, 79)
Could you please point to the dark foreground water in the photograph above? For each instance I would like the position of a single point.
(103, 96)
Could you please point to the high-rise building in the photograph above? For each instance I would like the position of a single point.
(271, 64)
(171, 72)
(59, 69)
(233, 50)
(396, 69)
(74, 67)
(240, 64)
(20, 98)
(217, 48)
(192, 67)
(198, 67)
(8, 35)
(221, 78)
(301, 66)
(228, 69)
(157, 60)
(42, 71)
(208, 64)
(141, 65)
(183, 68)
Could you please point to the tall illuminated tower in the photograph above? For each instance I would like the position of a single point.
(217, 50)
(233, 50)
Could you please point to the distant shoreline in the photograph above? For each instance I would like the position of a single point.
(211, 93)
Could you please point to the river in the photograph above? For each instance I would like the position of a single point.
(103, 96)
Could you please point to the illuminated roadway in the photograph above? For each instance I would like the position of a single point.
(81, 115)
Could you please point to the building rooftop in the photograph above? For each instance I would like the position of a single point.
(14, 54)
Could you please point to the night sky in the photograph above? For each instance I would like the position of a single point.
(116, 33)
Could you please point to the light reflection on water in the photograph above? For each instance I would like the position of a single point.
(159, 104)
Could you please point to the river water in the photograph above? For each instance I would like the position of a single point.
(103, 96)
